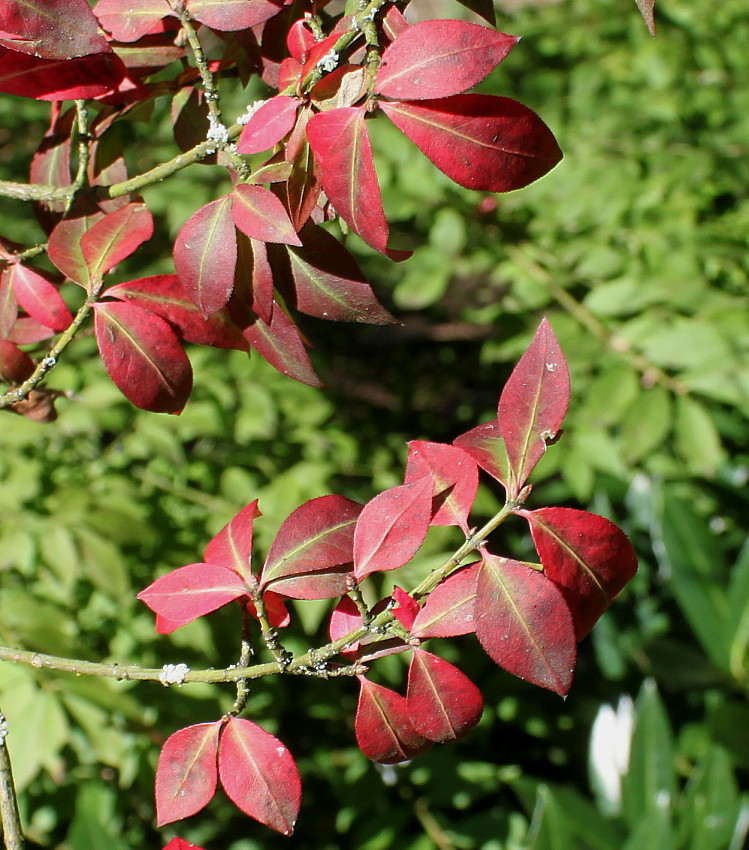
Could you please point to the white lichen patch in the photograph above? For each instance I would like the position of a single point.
(250, 111)
(329, 62)
(217, 133)
(173, 674)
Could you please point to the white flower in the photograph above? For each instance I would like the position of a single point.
(608, 756)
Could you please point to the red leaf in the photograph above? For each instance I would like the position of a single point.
(39, 298)
(480, 141)
(59, 79)
(15, 365)
(589, 558)
(129, 20)
(28, 331)
(329, 284)
(533, 403)
(303, 184)
(205, 255)
(232, 546)
(259, 214)
(524, 624)
(8, 304)
(340, 143)
(405, 608)
(272, 121)
(189, 592)
(259, 775)
(440, 58)
(232, 15)
(164, 295)
(143, 357)
(344, 619)
(181, 844)
(51, 29)
(485, 445)
(50, 164)
(115, 237)
(280, 344)
(392, 527)
(454, 475)
(186, 773)
(64, 246)
(449, 608)
(383, 730)
(443, 704)
(315, 538)
(261, 296)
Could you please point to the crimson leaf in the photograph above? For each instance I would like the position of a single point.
(449, 609)
(259, 214)
(232, 546)
(115, 237)
(39, 298)
(268, 125)
(485, 445)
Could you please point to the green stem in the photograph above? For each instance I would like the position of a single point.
(84, 152)
(243, 687)
(9, 815)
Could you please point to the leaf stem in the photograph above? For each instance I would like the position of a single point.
(9, 815)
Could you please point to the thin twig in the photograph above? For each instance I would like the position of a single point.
(9, 815)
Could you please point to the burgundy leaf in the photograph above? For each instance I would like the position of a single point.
(143, 357)
(345, 619)
(259, 214)
(15, 365)
(165, 296)
(189, 592)
(50, 164)
(129, 20)
(443, 704)
(315, 538)
(303, 185)
(39, 298)
(392, 527)
(232, 546)
(588, 557)
(480, 141)
(449, 608)
(340, 143)
(205, 255)
(383, 730)
(434, 59)
(8, 304)
(280, 344)
(59, 79)
(115, 237)
(272, 121)
(261, 297)
(259, 775)
(328, 283)
(533, 404)
(64, 247)
(454, 475)
(231, 15)
(186, 773)
(524, 624)
(485, 445)
(60, 29)
(405, 608)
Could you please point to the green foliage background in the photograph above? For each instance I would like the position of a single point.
(635, 248)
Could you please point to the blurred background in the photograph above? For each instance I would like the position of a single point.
(635, 248)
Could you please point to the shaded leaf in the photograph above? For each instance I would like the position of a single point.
(315, 538)
(485, 445)
(479, 141)
(165, 296)
(328, 283)
(62, 29)
(449, 608)
(186, 772)
(383, 730)
(15, 365)
(259, 775)
(59, 79)
(392, 527)
(189, 592)
(533, 404)
(129, 20)
(231, 15)
(8, 304)
(483, 8)
(272, 121)
(39, 298)
(454, 477)
(143, 357)
(115, 237)
(27, 331)
(523, 623)
(588, 557)
(443, 703)
(205, 255)
(259, 214)
(64, 246)
(232, 546)
(433, 59)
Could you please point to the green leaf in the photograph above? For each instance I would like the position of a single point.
(737, 623)
(649, 786)
(646, 424)
(711, 803)
(696, 438)
(95, 825)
